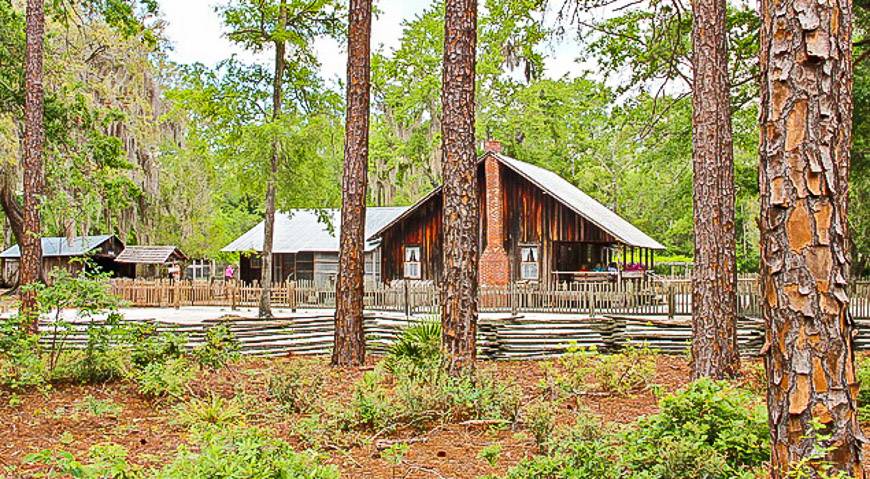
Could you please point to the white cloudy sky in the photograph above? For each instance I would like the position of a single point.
(194, 29)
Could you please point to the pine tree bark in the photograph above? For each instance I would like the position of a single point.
(265, 310)
(714, 280)
(34, 147)
(350, 346)
(806, 124)
(461, 229)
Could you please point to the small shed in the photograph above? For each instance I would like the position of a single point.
(58, 251)
(150, 261)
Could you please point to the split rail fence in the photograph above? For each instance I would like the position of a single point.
(651, 297)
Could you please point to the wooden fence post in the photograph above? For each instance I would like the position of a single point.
(671, 299)
(407, 300)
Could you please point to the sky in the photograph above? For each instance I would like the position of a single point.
(195, 32)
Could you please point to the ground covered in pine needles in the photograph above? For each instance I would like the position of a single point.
(391, 419)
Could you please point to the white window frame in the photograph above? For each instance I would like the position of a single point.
(529, 264)
(414, 265)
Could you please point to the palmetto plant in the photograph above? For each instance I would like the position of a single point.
(419, 346)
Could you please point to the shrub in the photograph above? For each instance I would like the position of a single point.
(243, 453)
(491, 454)
(584, 451)
(160, 380)
(864, 394)
(103, 358)
(294, 389)
(621, 373)
(21, 366)
(106, 461)
(149, 347)
(98, 408)
(540, 419)
(418, 348)
(371, 406)
(214, 411)
(220, 347)
(710, 430)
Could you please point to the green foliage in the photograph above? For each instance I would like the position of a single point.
(216, 411)
(293, 389)
(863, 365)
(21, 366)
(243, 453)
(149, 347)
(539, 418)
(106, 461)
(709, 424)
(371, 407)
(417, 349)
(491, 454)
(98, 407)
(164, 380)
(220, 347)
(622, 373)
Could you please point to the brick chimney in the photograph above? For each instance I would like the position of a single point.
(492, 146)
(494, 264)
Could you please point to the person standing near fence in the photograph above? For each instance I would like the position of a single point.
(229, 273)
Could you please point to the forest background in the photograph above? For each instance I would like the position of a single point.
(164, 153)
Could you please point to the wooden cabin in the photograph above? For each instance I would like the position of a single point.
(59, 252)
(536, 227)
(150, 262)
(305, 245)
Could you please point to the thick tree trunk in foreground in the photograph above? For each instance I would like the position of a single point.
(269, 222)
(459, 300)
(34, 146)
(806, 124)
(714, 280)
(350, 345)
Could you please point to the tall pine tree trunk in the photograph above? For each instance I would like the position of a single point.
(714, 282)
(350, 346)
(459, 301)
(269, 222)
(806, 124)
(34, 146)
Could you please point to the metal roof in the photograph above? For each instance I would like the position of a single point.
(567, 194)
(63, 247)
(582, 204)
(308, 230)
(150, 254)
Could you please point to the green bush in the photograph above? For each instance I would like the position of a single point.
(104, 357)
(106, 461)
(417, 349)
(632, 369)
(294, 389)
(371, 405)
(213, 411)
(150, 347)
(161, 380)
(583, 451)
(21, 366)
(864, 394)
(709, 424)
(221, 347)
(243, 453)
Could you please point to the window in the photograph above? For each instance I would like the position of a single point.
(529, 262)
(256, 262)
(412, 262)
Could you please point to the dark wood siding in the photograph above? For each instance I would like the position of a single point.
(532, 217)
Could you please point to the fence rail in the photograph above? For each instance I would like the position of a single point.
(650, 297)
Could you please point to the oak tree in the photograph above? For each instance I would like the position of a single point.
(350, 347)
(806, 125)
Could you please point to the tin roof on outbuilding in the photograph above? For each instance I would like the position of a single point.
(311, 230)
(59, 246)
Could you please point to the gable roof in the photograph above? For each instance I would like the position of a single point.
(301, 230)
(581, 203)
(59, 246)
(565, 193)
(150, 254)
